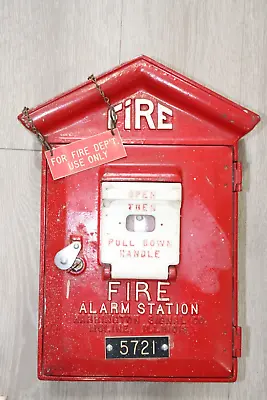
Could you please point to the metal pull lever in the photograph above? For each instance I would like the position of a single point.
(66, 257)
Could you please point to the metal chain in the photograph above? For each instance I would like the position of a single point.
(30, 125)
(111, 110)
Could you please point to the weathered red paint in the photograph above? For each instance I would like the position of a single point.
(201, 153)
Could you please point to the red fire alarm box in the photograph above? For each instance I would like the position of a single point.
(138, 275)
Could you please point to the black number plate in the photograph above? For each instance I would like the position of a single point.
(137, 347)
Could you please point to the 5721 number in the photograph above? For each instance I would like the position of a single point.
(143, 347)
(137, 347)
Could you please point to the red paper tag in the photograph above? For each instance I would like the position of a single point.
(85, 154)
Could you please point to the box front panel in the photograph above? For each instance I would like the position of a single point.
(191, 316)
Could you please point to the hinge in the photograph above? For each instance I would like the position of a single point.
(237, 176)
(237, 341)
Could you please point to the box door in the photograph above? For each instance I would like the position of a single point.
(194, 312)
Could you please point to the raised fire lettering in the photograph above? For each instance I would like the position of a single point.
(125, 308)
(144, 113)
(128, 287)
(83, 308)
(91, 310)
(151, 305)
(110, 290)
(103, 309)
(161, 117)
(184, 309)
(160, 309)
(194, 308)
(142, 290)
(169, 305)
(141, 309)
(162, 291)
(114, 308)
(137, 110)
(127, 120)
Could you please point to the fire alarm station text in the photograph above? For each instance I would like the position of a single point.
(153, 303)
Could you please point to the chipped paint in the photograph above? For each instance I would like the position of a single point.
(68, 289)
(209, 181)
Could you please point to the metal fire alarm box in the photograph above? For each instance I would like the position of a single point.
(138, 275)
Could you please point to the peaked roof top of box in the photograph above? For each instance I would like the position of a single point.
(202, 116)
